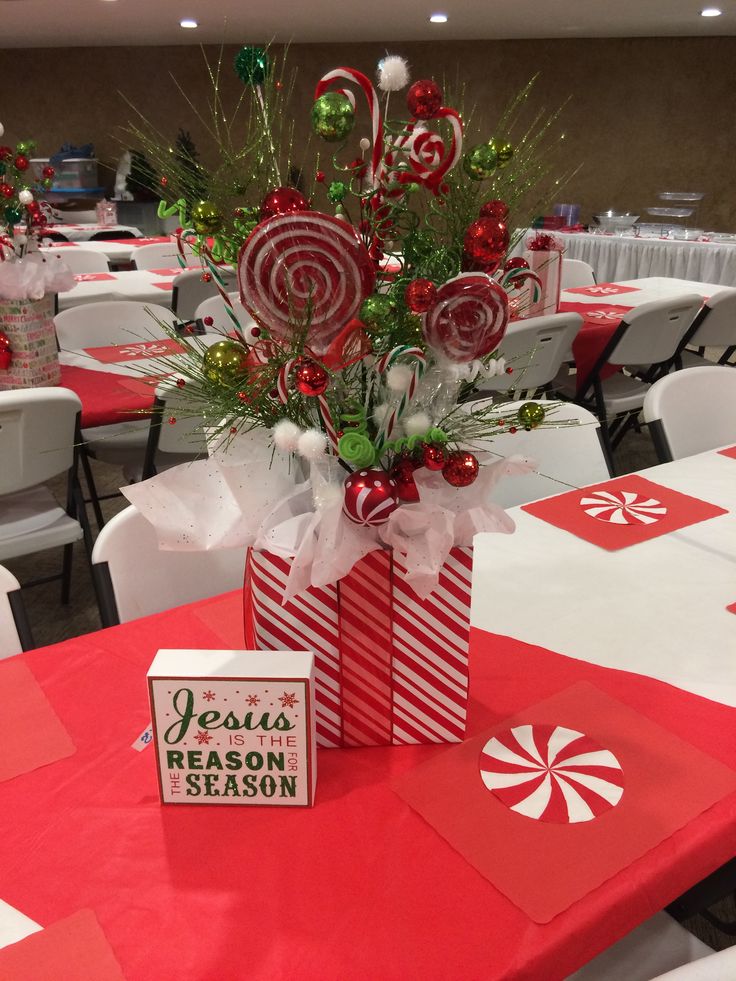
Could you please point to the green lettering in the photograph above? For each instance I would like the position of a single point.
(194, 759)
(275, 761)
(268, 786)
(209, 720)
(231, 786)
(234, 761)
(254, 761)
(193, 788)
(213, 761)
(174, 758)
(288, 786)
(249, 785)
(210, 785)
(183, 705)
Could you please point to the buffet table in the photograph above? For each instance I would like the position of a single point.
(362, 886)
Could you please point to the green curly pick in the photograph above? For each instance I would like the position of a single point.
(357, 449)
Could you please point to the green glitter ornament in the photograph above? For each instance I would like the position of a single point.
(480, 161)
(336, 192)
(377, 312)
(252, 65)
(505, 153)
(333, 117)
(531, 415)
(224, 362)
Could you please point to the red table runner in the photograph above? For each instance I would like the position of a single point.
(600, 321)
(106, 398)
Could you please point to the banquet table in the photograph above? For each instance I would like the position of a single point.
(145, 285)
(361, 886)
(117, 250)
(84, 231)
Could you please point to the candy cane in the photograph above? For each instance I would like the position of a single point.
(392, 417)
(328, 422)
(359, 79)
(220, 284)
(517, 277)
(282, 380)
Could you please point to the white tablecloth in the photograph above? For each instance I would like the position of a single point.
(116, 251)
(82, 233)
(135, 284)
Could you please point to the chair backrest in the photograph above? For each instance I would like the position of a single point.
(190, 289)
(134, 578)
(535, 348)
(692, 410)
(15, 634)
(717, 321)
(654, 330)
(718, 966)
(160, 255)
(214, 306)
(112, 234)
(176, 430)
(110, 322)
(567, 453)
(80, 260)
(37, 433)
(576, 273)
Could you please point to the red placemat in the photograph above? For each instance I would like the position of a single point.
(604, 289)
(98, 277)
(731, 451)
(118, 353)
(164, 286)
(731, 608)
(171, 271)
(564, 795)
(622, 512)
(105, 397)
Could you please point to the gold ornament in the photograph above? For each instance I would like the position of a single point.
(224, 362)
(531, 415)
(206, 218)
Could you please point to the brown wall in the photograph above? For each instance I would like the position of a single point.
(646, 114)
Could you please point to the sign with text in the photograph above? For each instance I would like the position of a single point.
(234, 727)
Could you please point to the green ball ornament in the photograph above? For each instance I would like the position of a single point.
(252, 65)
(47, 183)
(12, 215)
(480, 161)
(336, 192)
(24, 147)
(377, 312)
(505, 153)
(531, 415)
(206, 218)
(333, 117)
(224, 362)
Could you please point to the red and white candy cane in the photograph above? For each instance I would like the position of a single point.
(282, 380)
(328, 422)
(392, 417)
(430, 161)
(359, 79)
(516, 278)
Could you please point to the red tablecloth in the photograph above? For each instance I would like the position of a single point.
(593, 336)
(107, 398)
(358, 887)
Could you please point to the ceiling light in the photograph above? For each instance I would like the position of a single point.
(188, 23)
(438, 19)
(710, 12)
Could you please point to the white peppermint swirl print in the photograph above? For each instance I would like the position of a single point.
(623, 508)
(550, 773)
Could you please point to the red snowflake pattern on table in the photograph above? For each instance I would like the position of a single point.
(252, 700)
(288, 700)
(203, 737)
(208, 695)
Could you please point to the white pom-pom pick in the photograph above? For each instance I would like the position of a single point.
(286, 435)
(380, 412)
(365, 144)
(398, 377)
(417, 424)
(393, 73)
(311, 444)
(25, 197)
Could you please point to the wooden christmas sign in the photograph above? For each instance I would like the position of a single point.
(234, 727)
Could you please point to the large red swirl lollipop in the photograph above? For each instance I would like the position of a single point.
(294, 261)
(468, 319)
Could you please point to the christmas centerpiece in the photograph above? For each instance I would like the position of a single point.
(343, 448)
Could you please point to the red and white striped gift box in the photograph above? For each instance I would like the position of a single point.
(391, 668)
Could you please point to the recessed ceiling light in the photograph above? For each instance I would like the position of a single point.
(188, 23)
(438, 19)
(710, 12)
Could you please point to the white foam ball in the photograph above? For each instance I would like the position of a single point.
(417, 424)
(393, 73)
(286, 435)
(365, 144)
(311, 444)
(380, 412)
(25, 197)
(398, 377)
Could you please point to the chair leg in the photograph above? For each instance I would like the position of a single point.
(66, 573)
(91, 487)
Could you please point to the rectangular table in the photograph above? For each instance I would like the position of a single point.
(116, 250)
(144, 285)
(361, 886)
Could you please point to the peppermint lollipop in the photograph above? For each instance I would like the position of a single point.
(468, 319)
(295, 261)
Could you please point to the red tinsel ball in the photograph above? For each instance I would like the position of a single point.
(48, 173)
(424, 98)
(461, 469)
(283, 201)
(6, 353)
(433, 457)
(402, 474)
(6, 190)
(420, 295)
(495, 209)
(486, 241)
(6, 153)
(21, 162)
(310, 378)
(370, 497)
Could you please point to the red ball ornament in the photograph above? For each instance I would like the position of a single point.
(461, 469)
(515, 263)
(320, 176)
(495, 209)
(420, 295)
(6, 153)
(371, 496)
(6, 352)
(48, 173)
(6, 190)
(433, 457)
(21, 162)
(486, 241)
(164, 181)
(206, 277)
(424, 98)
(310, 378)
(402, 474)
(283, 201)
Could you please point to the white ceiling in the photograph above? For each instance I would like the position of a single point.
(65, 23)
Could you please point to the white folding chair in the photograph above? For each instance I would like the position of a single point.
(214, 307)
(691, 411)
(714, 326)
(575, 273)
(718, 966)
(111, 322)
(15, 631)
(161, 255)
(134, 578)
(175, 431)
(38, 429)
(79, 260)
(190, 290)
(535, 349)
(567, 453)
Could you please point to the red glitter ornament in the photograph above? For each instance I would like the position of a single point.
(206, 277)
(424, 98)
(433, 457)
(238, 213)
(310, 378)
(6, 153)
(172, 420)
(320, 176)
(516, 263)
(208, 321)
(371, 496)
(420, 295)
(164, 181)
(402, 474)
(283, 201)
(461, 469)
(486, 241)
(6, 190)
(180, 383)
(21, 162)
(233, 430)
(495, 209)
(48, 173)
(6, 352)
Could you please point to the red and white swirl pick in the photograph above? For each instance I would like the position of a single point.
(468, 319)
(551, 773)
(304, 262)
(623, 508)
